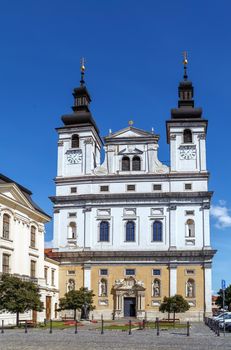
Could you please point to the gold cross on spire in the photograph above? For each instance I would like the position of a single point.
(185, 56)
(82, 69)
(185, 62)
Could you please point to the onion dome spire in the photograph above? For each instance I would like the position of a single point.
(186, 109)
(81, 110)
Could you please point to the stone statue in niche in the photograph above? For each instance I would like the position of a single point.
(85, 311)
(156, 288)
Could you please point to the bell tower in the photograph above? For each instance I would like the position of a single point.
(186, 130)
(79, 142)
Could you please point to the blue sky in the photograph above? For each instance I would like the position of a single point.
(133, 53)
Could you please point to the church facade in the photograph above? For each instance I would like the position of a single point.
(132, 229)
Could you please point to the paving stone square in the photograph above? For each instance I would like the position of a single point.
(201, 338)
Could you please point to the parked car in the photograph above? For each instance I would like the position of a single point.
(225, 319)
(220, 317)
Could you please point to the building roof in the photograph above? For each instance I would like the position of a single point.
(27, 193)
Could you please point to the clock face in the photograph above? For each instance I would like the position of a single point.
(187, 153)
(74, 157)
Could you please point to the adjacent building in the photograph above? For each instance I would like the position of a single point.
(22, 247)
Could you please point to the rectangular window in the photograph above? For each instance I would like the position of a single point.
(187, 186)
(72, 215)
(73, 189)
(71, 272)
(131, 187)
(190, 272)
(33, 269)
(52, 277)
(156, 272)
(32, 237)
(189, 212)
(45, 274)
(104, 188)
(157, 187)
(130, 272)
(6, 263)
(103, 272)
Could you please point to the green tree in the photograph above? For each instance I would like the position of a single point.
(74, 300)
(174, 304)
(17, 296)
(219, 300)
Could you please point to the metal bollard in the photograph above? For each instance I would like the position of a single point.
(26, 326)
(45, 322)
(102, 330)
(130, 327)
(76, 327)
(2, 330)
(188, 327)
(143, 323)
(157, 326)
(218, 329)
(140, 326)
(50, 326)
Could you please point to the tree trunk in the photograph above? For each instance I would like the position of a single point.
(17, 319)
(168, 316)
(75, 314)
(174, 317)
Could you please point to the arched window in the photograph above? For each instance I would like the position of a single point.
(72, 230)
(130, 231)
(187, 136)
(75, 141)
(71, 285)
(32, 236)
(125, 164)
(157, 231)
(190, 288)
(156, 288)
(104, 231)
(190, 228)
(136, 163)
(6, 226)
(103, 287)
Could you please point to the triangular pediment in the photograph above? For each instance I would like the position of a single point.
(130, 150)
(130, 132)
(12, 192)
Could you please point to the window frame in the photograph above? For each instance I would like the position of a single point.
(130, 269)
(6, 226)
(134, 159)
(75, 141)
(187, 133)
(157, 221)
(102, 234)
(129, 233)
(32, 236)
(33, 271)
(124, 166)
(6, 267)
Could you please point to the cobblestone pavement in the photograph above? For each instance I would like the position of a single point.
(201, 338)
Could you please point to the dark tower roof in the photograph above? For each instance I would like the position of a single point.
(186, 109)
(81, 113)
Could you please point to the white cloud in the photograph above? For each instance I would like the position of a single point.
(48, 244)
(221, 214)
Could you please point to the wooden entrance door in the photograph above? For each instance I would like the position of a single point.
(129, 307)
(48, 307)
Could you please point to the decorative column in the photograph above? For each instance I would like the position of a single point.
(208, 288)
(60, 158)
(173, 152)
(202, 150)
(87, 276)
(206, 224)
(172, 279)
(87, 228)
(172, 226)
